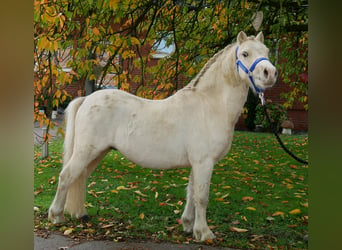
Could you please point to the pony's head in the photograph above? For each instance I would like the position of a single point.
(252, 63)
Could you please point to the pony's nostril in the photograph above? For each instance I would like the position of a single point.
(276, 74)
(266, 73)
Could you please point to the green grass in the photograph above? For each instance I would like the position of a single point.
(256, 187)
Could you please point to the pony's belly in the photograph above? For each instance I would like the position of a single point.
(155, 156)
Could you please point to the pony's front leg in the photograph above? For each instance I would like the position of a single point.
(188, 216)
(202, 175)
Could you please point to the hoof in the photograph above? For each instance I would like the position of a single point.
(203, 235)
(55, 219)
(85, 218)
(188, 225)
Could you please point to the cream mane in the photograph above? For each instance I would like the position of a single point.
(208, 64)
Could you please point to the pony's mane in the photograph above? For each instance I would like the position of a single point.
(210, 62)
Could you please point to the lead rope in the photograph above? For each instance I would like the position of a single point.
(262, 99)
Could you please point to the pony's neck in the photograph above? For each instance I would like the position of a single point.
(219, 80)
(219, 72)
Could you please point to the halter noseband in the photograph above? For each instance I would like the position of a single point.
(250, 70)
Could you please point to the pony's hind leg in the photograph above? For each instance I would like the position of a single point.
(188, 216)
(75, 168)
(76, 193)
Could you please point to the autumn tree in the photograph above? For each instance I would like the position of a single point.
(85, 40)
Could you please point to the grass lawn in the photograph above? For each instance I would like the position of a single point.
(258, 197)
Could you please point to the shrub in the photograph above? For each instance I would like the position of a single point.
(276, 112)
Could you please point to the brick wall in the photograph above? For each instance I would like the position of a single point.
(297, 114)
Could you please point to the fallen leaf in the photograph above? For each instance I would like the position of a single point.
(247, 198)
(68, 231)
(106, 226)
(243, 218)
(121, 188)
(251, 208)
(142, 216)
(278, 213)
(295, 211)
(293, 166)
(38, 191)
(91, 184)
(288, 180)
(140, 193)
(225, 196)
(239, 230)
(169, 228)
(306, 204)
(235, 222)
(209, 241)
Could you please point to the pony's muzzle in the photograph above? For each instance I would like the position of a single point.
(270, 75)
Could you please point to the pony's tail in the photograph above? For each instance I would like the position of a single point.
(71, 112)
(75, 198)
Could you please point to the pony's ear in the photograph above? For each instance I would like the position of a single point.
(260, 37)
(241, 37)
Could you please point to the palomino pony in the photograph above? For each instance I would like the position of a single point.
(194, 128)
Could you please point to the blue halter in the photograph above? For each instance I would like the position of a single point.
(250, 70)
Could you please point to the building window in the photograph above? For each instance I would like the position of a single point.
(163, 47)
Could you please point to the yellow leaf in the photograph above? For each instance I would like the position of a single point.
(278, 213)
(141, 216)
(306, 204)
(44, 43)
(251, 208)
(114, 4)
(239, 230)
(295, 211)
(68, 231)
(208, 242)
(134, 41)
(58, 93)
(121, 188)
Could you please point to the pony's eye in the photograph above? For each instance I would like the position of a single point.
(245, 54)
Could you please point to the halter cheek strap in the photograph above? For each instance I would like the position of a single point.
(249, 71)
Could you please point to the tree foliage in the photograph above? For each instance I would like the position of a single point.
(92, 38)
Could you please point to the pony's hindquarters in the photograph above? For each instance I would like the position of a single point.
(79, 162)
